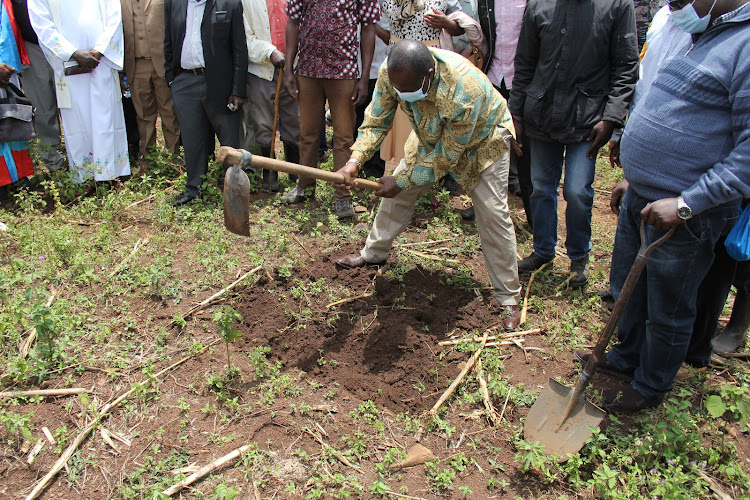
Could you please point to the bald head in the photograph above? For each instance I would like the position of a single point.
(410, 55)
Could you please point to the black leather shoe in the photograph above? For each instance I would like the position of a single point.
(531, 263)
(582, 356)
(627, 399)
(184, 199)
(468, 214)
(354, 261)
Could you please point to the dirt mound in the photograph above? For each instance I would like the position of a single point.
(376, 347)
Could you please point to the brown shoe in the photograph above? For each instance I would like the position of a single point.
(512, 317)
(354, 261)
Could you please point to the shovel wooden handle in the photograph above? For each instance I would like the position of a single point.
(234, 156)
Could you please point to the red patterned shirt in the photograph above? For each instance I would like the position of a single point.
(328, 45)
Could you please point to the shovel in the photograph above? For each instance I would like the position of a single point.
(561, 418)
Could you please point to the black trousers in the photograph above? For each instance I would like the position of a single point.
(199, 121)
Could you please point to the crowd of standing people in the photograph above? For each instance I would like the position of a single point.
(501, 96)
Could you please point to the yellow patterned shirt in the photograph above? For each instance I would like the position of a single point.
(462, 127)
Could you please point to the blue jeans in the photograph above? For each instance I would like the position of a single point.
(546, 170)
(655, 328)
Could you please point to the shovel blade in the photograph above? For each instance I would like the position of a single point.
(237, 201)
(545, 415)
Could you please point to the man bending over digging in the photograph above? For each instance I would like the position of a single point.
(465, 130)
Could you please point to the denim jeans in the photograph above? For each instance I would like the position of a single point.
(546, 170)
(655, 328)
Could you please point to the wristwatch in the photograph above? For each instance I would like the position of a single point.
(683, 210)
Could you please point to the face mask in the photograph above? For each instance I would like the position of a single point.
(414, 95)
(687, 19)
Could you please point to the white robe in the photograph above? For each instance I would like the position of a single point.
(90, 104)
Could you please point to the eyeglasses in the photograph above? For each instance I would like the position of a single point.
(678, 4)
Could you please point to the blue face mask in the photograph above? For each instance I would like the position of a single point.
(687, 19)
(414, 95)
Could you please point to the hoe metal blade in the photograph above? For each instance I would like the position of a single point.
(237, 201)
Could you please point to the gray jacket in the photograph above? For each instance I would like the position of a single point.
(576, 64)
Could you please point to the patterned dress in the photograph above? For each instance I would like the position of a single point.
(412, 26)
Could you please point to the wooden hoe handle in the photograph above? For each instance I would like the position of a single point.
(232, 156)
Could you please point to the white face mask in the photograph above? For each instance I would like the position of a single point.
(687, 18)
(414, 95)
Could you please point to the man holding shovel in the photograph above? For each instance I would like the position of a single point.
(685, 153)
(461, 125)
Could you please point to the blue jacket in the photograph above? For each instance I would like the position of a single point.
(690, 134)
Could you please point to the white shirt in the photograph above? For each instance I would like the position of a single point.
(192, 46)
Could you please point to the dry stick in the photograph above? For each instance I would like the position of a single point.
(44, 392)
(350, 299)
(63, 460)
(419, 243)
(735, 355)
(206, 470)
(519, 225)
(526, 296)
(25, 347)
(432, 257)
(505, 404)
(132, 252)
(338, 455)
(502, 336)
(150, 197)
(217, 294)
(491, 412)
(400, 495)
(713, 485)
(452, 388)
(302, 246)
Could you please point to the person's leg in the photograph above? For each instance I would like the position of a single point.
(226, 124)
(675, 270)
(735, 333)
(524, 179)
(631, 328)
(498, 237)
(339, 96)
(169, 126)
(144, 101)
(261, 93)
(579, 197)
(546, 170)
(194, 127)
(712, 295)
(394, 214)
(39, 86)
(311, 109)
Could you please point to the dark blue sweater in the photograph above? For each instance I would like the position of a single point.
(690, 134)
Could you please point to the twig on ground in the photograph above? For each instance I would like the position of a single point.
(302, 246)
(218, 294)
(341, 458)
(44, 392)
(520, 226)
(104, 412)
(420, 243)
(526, 296)
(206, 470)
(350, 299)
(491, 412)
(135, 249)
(713, 485)
(505, 405)
(502, 336)
(432, 257)
(150, 197)
(452, 388)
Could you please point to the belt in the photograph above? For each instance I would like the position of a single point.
(196, 71)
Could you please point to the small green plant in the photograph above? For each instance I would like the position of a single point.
(733, 399)
(227, 319)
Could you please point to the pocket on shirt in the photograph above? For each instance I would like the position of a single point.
(590, 107)
(221, 16)
(534, 104)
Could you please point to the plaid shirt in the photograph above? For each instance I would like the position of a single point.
(328, 43)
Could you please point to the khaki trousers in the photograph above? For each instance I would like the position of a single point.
(498, 237)
(313, 93)
(152, 97)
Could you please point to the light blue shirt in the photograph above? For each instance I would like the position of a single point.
(192, 46)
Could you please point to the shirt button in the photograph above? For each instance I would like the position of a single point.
(557, 65)
(563, 31)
